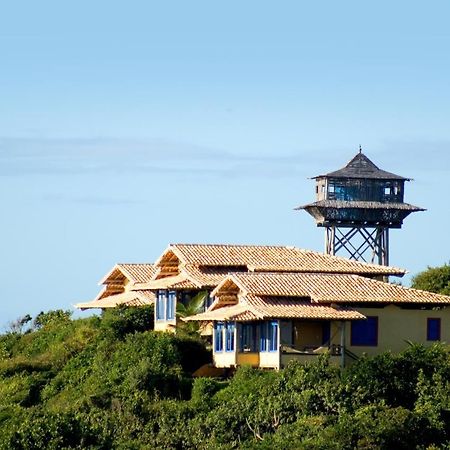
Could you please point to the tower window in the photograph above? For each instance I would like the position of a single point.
(387, 191)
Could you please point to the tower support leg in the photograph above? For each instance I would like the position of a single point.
(359, 243)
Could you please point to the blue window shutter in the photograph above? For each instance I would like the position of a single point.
(229, 333)
(218, 336)
(365, 332)
(273, 336)
(263, 337)
(170, 305)
(160, 305)
(433, 329)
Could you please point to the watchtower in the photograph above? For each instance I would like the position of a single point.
(357, 205)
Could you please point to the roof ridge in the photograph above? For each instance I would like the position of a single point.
(233, 245)
(134, 264)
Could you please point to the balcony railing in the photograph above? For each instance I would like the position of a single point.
(333, 349)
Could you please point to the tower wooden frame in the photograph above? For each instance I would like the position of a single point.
(358, 205)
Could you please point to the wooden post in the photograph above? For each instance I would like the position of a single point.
(342, 344)
(279, 344)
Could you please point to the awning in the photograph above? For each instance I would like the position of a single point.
(129, 298)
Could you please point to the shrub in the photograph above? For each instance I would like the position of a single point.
(125, 320)
(52, 317)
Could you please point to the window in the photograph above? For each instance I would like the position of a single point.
(387, 191)
(433, 329)
(248, 337)
(331, 188)
(273, 336)
(208, 301)
(218, 336)
(263, 337)
(229, 336)
(268, 336)
(160, 303)
(326, 333)
(342, 193)
(365, 332)
(170, 305)
(165, 305)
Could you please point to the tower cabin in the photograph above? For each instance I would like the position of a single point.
(366, 201)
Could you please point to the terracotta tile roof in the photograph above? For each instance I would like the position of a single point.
(189, 277)
(263, 308)
(225, 313)
(164, 283)
(206, 276)
(328, 288)
(129, 298)
(288, 307)
(136, 273)
(185, 284)
(271, 258)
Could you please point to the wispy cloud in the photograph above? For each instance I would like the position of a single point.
(41, 156)
(21, 157)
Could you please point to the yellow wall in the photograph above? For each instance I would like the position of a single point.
(248, 359)
(396, 325)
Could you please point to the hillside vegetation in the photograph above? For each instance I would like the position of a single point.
(109, 383)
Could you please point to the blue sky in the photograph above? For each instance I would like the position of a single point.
(124, 127)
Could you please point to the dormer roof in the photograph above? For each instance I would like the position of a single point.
(133, 272)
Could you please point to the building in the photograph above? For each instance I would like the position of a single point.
(267, 305)
(268, 319)
(184, 271)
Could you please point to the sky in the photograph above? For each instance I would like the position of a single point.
(126, 126)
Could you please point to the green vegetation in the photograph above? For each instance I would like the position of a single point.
(433, 279)
(107, 382)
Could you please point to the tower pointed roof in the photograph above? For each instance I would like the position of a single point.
(360, 166)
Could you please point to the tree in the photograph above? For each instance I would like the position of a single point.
(17, 325)
(52, 317)
(433, 279)
(124, 320)
(192, 307)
